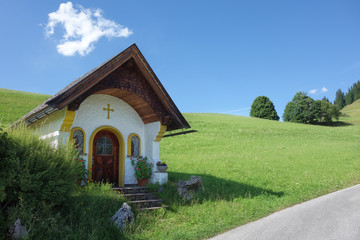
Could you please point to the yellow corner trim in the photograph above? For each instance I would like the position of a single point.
(129, 144)
(121, 152)
(161, 133)
(68, 120)
(71, 136)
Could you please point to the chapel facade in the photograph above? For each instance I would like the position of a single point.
(115, 112)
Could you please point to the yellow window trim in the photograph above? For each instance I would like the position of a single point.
(161, 133)
(71, 136)
(121, 152)
(129, 144)
(68, 120)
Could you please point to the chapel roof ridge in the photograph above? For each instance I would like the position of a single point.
(57, 102)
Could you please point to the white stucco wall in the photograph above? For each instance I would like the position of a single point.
(124, 118)
(49, 127)
(153, 148)
(91, 116)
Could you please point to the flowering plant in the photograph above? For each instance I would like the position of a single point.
(159, 163)
(143, 169)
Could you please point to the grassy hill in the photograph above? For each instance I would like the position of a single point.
(250, 168)
(351, 113)
(253, 167)
(15, 104)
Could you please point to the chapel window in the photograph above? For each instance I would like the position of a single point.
(135, 146)
(104, 146)
(78, 137)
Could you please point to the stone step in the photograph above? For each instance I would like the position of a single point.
(153, 208)
(130, 190)
(147, 201)
(140, 196)
(140, 204)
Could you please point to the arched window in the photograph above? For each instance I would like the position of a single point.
(134, 144)
(104, 146)
(78, 137)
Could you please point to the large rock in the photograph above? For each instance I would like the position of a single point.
(187, 189)
(18, 231)
(122, 216)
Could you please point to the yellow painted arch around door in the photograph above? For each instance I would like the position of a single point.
(121, 151)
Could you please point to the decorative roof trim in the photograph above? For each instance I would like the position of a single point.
(160, 133)
(68, 120)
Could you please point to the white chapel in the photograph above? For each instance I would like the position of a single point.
(117, 111)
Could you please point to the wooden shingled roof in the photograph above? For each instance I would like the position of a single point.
(127, 76)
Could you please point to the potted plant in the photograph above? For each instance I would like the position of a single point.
(143, 170)
(162, 167)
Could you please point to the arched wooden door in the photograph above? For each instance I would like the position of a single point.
(105, 164)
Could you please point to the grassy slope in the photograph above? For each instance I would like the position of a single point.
(352, 113)
(250, 168)
(15, 104)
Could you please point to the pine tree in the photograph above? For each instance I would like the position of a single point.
(325, 99)
(356, 91)
(339, 99)
(349, 97)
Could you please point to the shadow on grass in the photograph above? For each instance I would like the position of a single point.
(216, 189)
(335, 124)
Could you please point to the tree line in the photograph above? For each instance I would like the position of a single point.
(301, 109)
(304, 109)
(353, 94)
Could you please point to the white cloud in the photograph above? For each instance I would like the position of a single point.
(324, 90)
(83, 27)
(313, 91)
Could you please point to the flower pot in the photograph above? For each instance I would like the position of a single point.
(143, 182)
(162, 168)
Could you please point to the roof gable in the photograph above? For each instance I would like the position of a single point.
(127, 76)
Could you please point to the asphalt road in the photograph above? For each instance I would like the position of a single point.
(332, 216)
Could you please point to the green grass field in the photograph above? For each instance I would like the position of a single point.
(250, 169)
(352, 113)
(15, 104)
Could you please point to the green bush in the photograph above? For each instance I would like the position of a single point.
(7, 171)
(34, 172)
(42, 172)
(262, 107)
(86, 215)
(304, 109)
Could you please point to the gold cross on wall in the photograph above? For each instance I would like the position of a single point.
(108, 109)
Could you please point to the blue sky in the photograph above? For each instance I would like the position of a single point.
(211, 56)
